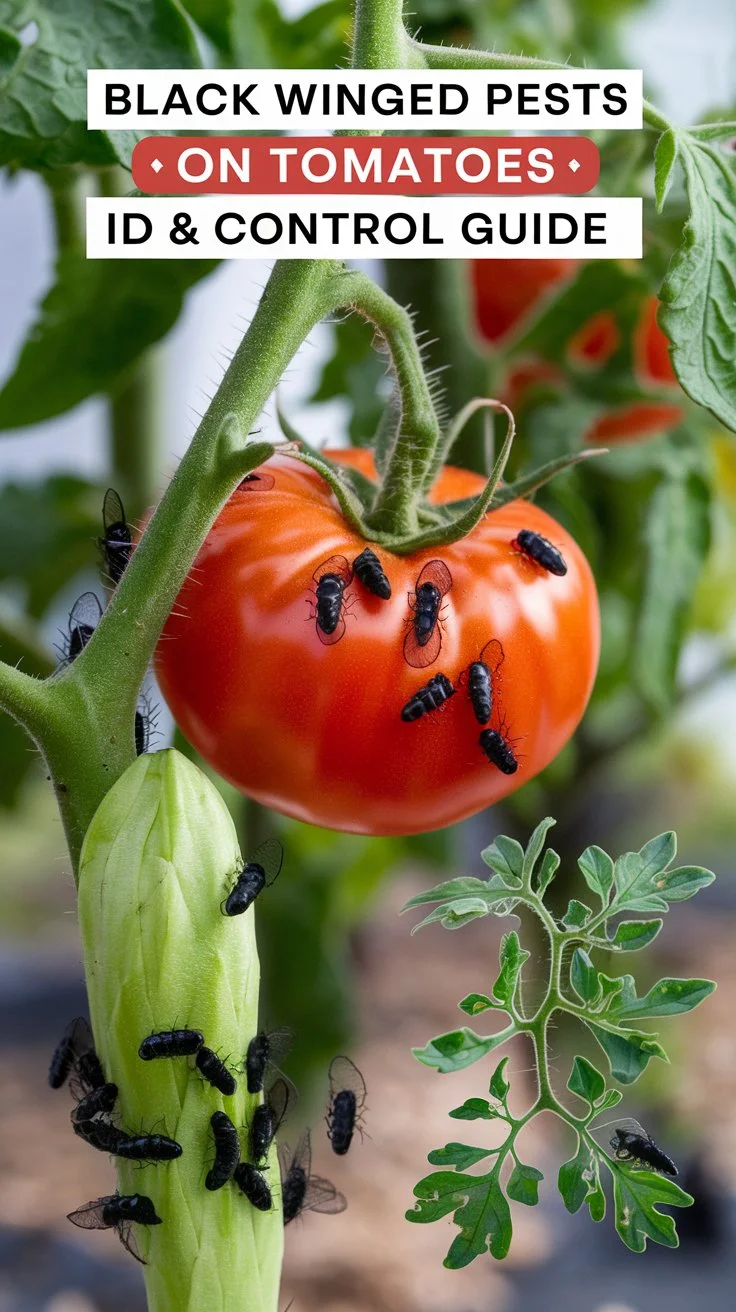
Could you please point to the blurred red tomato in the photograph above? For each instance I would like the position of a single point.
(506, 290)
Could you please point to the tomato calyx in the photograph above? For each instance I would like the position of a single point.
(363, 506)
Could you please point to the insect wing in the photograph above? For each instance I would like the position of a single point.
(436, 573)
(125, 1235)
(344, 1075)
(90, 1215)
(281, 1096)
(418, 656)
(300, 1159)
(113, 515)
(322, 1196)
(270, 857)
(492, 655)
(338, 565)
(84, 617)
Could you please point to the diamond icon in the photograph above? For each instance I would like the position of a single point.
(574, 165)
(156, 165)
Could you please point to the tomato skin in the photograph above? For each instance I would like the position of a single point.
(315, 731)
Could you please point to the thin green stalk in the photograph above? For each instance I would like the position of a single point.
(136, 457)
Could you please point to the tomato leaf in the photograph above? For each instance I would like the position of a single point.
(677, 539)
(637, 1195)
(523, 1184)
(547, 871)
(458, 1155)
(632, 935)
(597, 870)
(698, 303)
(506, 858)
(43, 95)
(474, 1109)
(534, 847)
(577, 915)
(474, 1003)
(586, 1081)
(575, 1177)
(465, 886)
(453, 915)
(643, 881)
(99, 316)
(511, 959)
(628, 1051)
(665, 156)
(458, 1049)
(584, 976)
(480, 1209)
(668, 997)
(499, 1085)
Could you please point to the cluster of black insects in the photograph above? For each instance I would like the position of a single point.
(116, 546)
(96, 1098)
(423, 640)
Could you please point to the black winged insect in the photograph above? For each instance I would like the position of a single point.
(498, 750)
(423, 641)
(117, 1212)
(256, 482)
(331, 579)
(431, 697)
(66, 1051)
(107, 1138)
(76, 1052)
(227, 1151)
(370, 572)
(98, 1102)
(253, 1184)
(541, 551)
(300, 1190)
(258, 873)
(215, 1071)
(638, 1147)
(346, 1105)
(170, 1043)
(116, 543)
(265, 1050)
(267, 1117)
(84, 617)
(481, 676)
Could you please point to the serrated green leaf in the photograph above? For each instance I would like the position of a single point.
(475, 1003)
(668, 997)
(499, 1086)
(547, 871)
(677, 537)
(523, 1184)
(511, 960)
(583, 976)
(575, 1176)
(643, 882)
(632, 935)
(577, 915)
(636, 1197)
(612, 1098)
(597, 870)
(628, 1052)
(453, 915)
(458, 1048)
(43, 97)
(534, 847)
(480, 1208)
(586, 1081)
(459, 1155)
(596, 1201)
(665, 156)
(474, 1109)
(97, 319)
(506, 858)
(698, 297)
(466, 886)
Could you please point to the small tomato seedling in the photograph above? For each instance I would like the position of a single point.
(642, 883)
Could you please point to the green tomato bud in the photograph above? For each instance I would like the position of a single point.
(159, 857)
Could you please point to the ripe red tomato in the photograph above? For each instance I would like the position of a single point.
(315, 730)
